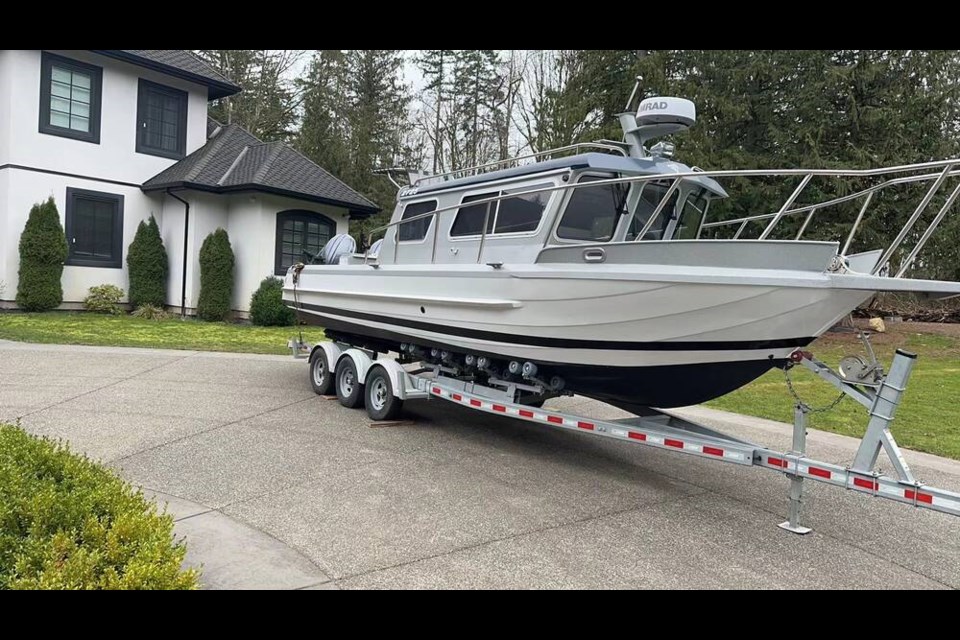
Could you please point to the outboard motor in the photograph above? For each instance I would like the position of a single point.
(341, 244)
(374, 250)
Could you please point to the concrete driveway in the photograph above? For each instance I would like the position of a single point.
(276, 487)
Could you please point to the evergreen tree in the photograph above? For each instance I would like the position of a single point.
(268, 105)
(43, 249)
(216, 277)
(475, 86)
(324, 133)
(435, 64)
(147, 265)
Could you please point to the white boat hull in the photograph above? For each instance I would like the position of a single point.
(634, 335)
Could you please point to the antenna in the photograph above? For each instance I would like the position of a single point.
(633, 94)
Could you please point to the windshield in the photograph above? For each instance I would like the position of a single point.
(691, 217)
(592, 213)
(650, 198)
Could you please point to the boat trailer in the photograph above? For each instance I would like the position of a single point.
(387, 384)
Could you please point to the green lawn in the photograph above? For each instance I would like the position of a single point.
(928, 420)
(127, 331)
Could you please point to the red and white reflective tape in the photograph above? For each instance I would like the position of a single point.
(874, 485)
(716, 451)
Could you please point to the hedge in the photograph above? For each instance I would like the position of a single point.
(266, 305)
(216, 277)
(67, 522)
(43, 250)
(148, 267)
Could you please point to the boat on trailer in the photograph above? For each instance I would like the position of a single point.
(591, 273)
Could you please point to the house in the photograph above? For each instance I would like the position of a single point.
(118, 136)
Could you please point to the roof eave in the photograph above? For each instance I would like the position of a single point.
(216, 89)
(356, 210)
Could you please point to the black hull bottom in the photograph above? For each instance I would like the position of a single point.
(630, 388)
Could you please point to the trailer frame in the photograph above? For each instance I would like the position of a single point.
(880, 394)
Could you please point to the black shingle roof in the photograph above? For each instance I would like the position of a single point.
(236, 160)
(180, 63)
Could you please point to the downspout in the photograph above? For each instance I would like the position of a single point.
(186, 237)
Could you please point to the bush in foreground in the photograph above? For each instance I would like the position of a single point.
(147, 263)
(216, 277)
(104, 298)
(69, 523)
(266, 305)
(43, 249)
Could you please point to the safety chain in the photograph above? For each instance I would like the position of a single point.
(796, 396)
(297, 268)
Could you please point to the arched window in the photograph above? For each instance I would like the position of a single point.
(300, 236)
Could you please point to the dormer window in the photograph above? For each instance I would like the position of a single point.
(70, 98)
(161, 121)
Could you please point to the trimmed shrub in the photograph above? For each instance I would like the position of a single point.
(147, 263)
(150, 312)
(43, 249)
(266, 305)
(104, 298)
(67, 522)
(216, 277)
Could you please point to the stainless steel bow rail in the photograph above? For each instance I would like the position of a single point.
(880, 393)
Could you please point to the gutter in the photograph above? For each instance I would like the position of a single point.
(186, 237)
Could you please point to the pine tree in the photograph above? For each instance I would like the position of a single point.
(147, 266)
(216, 277)
(43, 249)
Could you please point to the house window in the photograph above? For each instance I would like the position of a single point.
(161, 120)
(70, 98)
(300, 236)
(94, 228)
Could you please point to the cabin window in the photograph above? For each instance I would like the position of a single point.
(522, 213)
(161, 120)
(416, 230)
(469, 220)
(300, 237)
(70, 98)
(691, 217)
(650, 197)
(592, 212)
(94, 228)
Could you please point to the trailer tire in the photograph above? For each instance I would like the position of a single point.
(349, 390)
(382, 404)
(321, 378)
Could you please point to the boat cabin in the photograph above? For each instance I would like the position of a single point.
(530, 207)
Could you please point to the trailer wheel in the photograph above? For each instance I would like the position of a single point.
(321, 378)
(349, 389)
(381, 403)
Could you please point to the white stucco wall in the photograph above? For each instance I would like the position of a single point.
(115, 157)
(251, 221)
(112, 166)
(26, 188)
(6, 102)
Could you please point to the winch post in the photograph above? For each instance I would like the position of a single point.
(885, 404)
(798, 451)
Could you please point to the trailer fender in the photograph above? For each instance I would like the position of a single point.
(398, 377)
(361, 361)
(331, 349)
